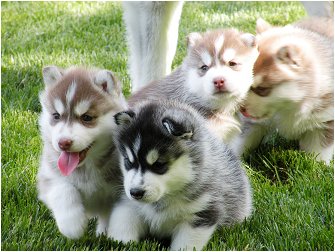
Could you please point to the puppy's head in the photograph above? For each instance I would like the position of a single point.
(219, 66)
(283, 72)
(77, 107)
(156, 157)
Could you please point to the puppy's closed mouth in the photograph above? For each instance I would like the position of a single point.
(221, 92)
(69, 161)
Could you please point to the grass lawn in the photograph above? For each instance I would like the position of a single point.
(293, 194)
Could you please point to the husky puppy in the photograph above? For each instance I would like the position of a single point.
(214, 77)
(294, 85)
(180, 181)
(79, 173)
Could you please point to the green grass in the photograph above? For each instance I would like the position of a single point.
(293, 194)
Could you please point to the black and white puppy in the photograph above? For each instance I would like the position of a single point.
(180, 181)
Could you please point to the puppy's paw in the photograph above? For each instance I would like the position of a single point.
(123, 235)
(125, 223)
(101, 227)
(72, 223)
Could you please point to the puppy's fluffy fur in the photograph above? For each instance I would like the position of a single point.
(214, 78)
(293, 89)
(180, 181)
(79, 173)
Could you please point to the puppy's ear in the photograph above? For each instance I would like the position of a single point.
(180, 130)
(289, 55)
(124, 117)
(262, 26)
(249, 39)
(107, 82)
(192, 39)
(52, 74)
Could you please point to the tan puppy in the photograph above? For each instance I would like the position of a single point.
(293, 87)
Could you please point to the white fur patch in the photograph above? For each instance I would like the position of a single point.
(181, 163)
(218, 44)
(295, 94)
(137, 144)
(59, 106)
(125, 223)
(133, 179)
(189, 238)
(136, 179)
(70, 93)
(130, 155)
(206, 58)
(65, 201)
(152, 156)
(82, 107)
(228, 54)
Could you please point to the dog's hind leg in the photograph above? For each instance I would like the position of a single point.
(152, 34)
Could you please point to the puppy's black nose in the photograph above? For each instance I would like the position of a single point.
(137, 193)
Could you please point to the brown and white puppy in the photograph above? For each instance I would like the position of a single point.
(79, 169)
(293, 87)
(214, 78)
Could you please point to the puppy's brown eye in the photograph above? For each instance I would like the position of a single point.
(204, 68)
(159, 167)
(86, 118)
(232, 63)
(261, 91)
(56, 116)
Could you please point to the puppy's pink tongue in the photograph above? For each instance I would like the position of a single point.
(67, 162)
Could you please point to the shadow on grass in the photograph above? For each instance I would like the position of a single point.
(279, 160)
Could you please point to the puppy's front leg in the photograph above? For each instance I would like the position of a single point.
(65, 202)
(125, 223)
(249, 139)
(187, 237)
(225, 127)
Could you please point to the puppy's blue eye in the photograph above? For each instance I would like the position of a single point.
(56, 116)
